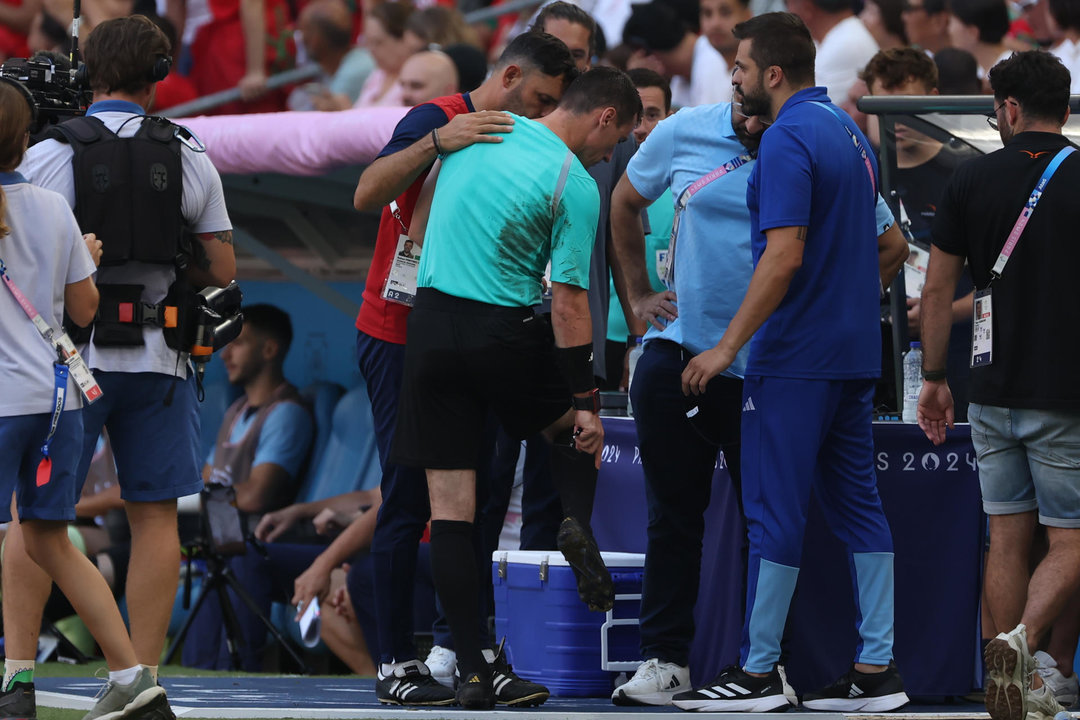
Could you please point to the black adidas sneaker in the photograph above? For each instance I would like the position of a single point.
(734, 690)
(511, 690)
(411, 683)
(19, 702)
(475, 692)
(861, 692)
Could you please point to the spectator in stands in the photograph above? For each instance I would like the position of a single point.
(697, 72)
(155, 442)
(926, 24)
(813, 265)
(958, 72)
(843, 43)
(884, 19)
(384, 37)
(326, 30)
(528, 80)
(441, 26)
(244, 43)
(266, 434)
(49, 269)
(718, 18)
(16, 20)
(1065, 19)
(1025, 398)
(597, 112)
(655, 95)
(425, 76)
(46, 33)
(979, 26)
(923, 168)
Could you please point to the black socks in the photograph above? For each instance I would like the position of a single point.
(453, 568)
(574, 474)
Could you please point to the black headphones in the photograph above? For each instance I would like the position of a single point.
(158, 71)
(25, 94)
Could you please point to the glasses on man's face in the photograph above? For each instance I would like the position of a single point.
(991, 119)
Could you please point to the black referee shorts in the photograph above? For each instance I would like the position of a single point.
(466, 358)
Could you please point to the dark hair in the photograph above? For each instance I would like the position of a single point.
(1066, 13)
(273, 322)
(560, 10)
(336, 28)
(654, 26)
(780, 39)
(54, 31)
(603, 87)
(393, 16)
(833, 6)
(121, 54)
(539, 51)
(471, 65)
(958, 72)
(894, 67)
(892, 17)
(933, 7)
(1039, 82)
(990, 16)
(645, 78)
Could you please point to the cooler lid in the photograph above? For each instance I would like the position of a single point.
(555, 558)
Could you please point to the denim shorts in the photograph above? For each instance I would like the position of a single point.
(1028, 460)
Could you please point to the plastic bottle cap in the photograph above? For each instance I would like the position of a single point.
(915, 344)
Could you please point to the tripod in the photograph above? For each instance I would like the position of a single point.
(219, 580)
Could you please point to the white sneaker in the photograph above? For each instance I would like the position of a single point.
(1041, 704)
(654, 683)
(1065, 689)
(1009, 666)
(443, 665)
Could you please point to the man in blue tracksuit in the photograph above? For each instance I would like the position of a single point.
(812, 310)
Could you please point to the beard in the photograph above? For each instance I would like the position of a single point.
(515, 101)
(755, 101)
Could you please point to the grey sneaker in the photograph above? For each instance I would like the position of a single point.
(1065, 689)
(1010, 666)
(140, 699)
(18, 703)
(1041, 703)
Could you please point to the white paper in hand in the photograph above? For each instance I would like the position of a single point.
(311, 624)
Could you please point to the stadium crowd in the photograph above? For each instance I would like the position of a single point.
(699, 182)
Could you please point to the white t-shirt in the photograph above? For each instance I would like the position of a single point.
(48, 164)
(710, 77)
(1069, 53)
(44, 252)
(842, 54)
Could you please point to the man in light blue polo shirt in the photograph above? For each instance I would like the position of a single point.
(705, 156)
(811, 309)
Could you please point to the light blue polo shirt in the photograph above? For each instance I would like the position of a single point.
(285, 438)
(495, 219)
(712, 255)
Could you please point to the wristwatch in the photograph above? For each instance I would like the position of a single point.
(590, 403)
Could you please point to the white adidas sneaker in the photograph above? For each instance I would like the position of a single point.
(654, 683)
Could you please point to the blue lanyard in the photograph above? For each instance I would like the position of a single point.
(44, 469)
(856, 143)
(1028, 211)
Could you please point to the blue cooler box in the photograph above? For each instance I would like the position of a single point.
(551, 636)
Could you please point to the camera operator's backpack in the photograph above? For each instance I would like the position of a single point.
(128, 190)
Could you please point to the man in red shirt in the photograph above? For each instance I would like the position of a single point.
(528, 80)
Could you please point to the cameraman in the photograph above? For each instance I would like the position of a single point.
(149, 402)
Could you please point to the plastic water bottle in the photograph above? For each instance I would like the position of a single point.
(912, 382)
(632, 362)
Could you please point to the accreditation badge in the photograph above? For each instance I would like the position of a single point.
(400, 285)
(661, 263)
(982, 330)
(915, 270)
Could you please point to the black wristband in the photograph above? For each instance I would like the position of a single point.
(632, 340)
(589, 404)
(934, 375)
(576, 365)
(435, 141)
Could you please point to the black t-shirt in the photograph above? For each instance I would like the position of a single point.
(1035, 351)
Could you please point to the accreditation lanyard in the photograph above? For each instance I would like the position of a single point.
(60, 373)
(684, 199)
(1027, 212)
(856, 143)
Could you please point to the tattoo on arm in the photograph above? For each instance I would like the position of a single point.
(801, 234)
(224, 237)
(199, 256)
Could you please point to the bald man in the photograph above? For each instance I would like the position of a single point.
(426, 76)
(326, 29)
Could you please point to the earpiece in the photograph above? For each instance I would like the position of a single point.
(161, 68)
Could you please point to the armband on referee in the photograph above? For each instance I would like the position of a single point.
(576, 365)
